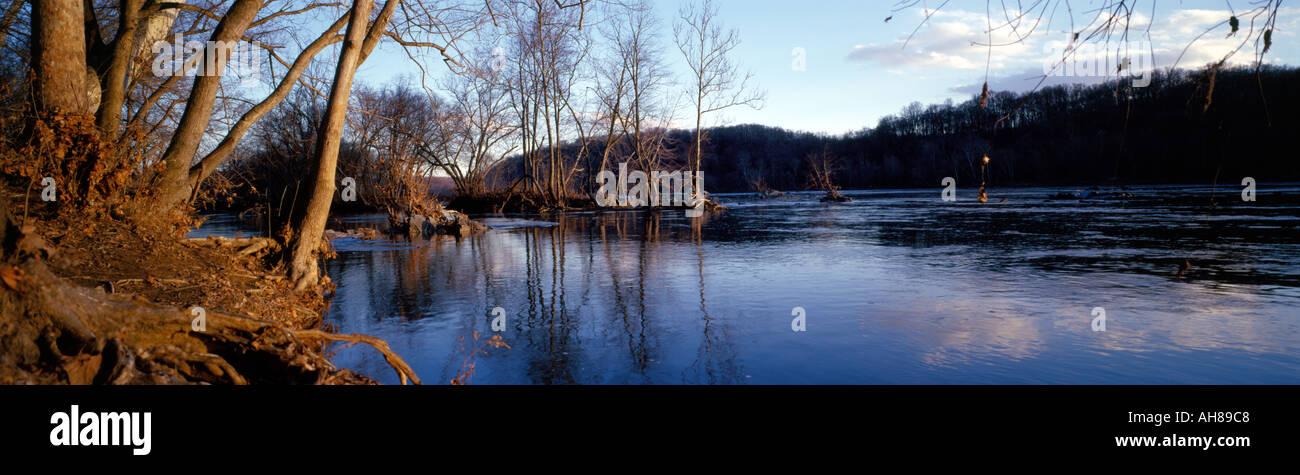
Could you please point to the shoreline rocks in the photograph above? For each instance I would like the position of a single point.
(421, 226)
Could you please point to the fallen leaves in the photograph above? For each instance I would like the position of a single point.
(12, 277)
(33, 244)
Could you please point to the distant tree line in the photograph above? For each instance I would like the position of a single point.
(1173, 131)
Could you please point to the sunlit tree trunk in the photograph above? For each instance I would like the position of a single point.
(175, 188)
(303, 269)
(113, 83)
(358, 42)
(58, 57)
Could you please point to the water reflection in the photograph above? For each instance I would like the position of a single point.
(898, 287)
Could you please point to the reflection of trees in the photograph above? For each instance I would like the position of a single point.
(550, 357)
(403, 275)
(640, 350)
(608, 321)
(716, 358)
(633, 326)
(553, 339)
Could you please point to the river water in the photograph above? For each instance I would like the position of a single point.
(896, 287)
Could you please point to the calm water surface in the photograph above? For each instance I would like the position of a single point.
(897, 286)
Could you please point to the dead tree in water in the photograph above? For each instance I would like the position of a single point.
(984, 165)
(821, 172)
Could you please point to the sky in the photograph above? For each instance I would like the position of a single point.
(856, 70)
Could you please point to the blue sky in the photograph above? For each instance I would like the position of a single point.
(857, 71)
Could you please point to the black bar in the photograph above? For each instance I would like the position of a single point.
(391, 422)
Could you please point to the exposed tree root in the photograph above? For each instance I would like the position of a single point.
(245, 246)
(404, 371)
(56, 332)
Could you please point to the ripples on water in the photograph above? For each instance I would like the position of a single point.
(898, 286)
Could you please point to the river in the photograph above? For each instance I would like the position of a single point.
(896, 287)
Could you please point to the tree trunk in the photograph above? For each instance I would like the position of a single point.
(699, 149)
(113, 84)
(175, 188)
(58, 57)
(303, 268)
(209, 164)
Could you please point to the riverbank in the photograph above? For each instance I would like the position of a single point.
(95, 300)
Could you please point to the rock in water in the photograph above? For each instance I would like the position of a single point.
(445, 222)
(415, 226)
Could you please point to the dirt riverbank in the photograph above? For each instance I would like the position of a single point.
(86, 300)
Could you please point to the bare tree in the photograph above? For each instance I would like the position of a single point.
(387, 130)
(360, 39)
(174, 187)
(170, 118)
(548, 49)
(635, 37)
(822, 167)
(479, 123)
(611, 85)
(717, 83)
(201, 170)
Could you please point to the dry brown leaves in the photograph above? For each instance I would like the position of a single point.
(12, 277)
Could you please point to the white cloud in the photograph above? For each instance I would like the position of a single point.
(954, 39)
(951, 40)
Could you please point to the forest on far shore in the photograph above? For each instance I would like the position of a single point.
(1061, 135)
